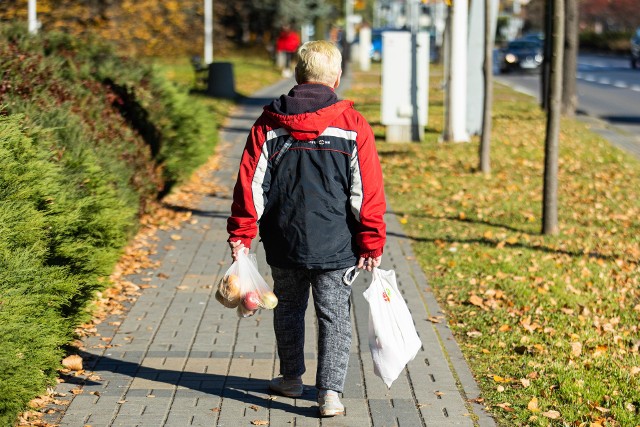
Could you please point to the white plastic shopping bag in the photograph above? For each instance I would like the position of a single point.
(393, 339)
(242, 287)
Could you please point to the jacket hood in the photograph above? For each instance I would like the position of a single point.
(306, 111)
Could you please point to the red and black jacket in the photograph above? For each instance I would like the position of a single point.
(322, 206)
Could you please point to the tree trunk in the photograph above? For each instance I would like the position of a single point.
(485, 140)
(547, 51)
(550, 196)
(569, 90)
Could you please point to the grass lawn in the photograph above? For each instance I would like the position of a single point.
(549, 325)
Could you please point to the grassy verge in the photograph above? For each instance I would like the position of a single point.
(549, 325)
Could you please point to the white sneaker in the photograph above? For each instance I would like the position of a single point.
(329, 403)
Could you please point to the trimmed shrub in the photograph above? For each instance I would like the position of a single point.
(88, 141)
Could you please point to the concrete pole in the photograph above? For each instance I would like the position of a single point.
(349, 31)
(458, 70)
(33, 19)
(208, 31)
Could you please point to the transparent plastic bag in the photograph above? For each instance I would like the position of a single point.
(393, 339)
(243, 288)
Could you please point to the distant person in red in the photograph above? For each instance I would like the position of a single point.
(287, 44)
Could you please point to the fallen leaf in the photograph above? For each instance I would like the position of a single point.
(433, 319)
(176, 237)
(554, 415)
(506, 406)
(76, 391)
(576, 349)
(476, 300)
(525, 382)
(260, 422)
(600, 350)
(533, 405)
(215, 409)
(73, 362)
(254, 407)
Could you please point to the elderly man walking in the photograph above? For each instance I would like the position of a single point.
(310, 181)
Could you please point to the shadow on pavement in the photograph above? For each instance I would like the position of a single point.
(242, 389)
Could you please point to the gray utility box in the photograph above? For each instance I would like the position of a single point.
(405, 81)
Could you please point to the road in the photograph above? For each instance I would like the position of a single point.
(608, 90)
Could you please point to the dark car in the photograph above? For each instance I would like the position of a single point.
(521, 55)
(635, 49)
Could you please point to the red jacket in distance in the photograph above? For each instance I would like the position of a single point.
(323, 205)
(288, 41)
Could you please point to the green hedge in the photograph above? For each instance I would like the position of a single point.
(87, 140)
(611, 42)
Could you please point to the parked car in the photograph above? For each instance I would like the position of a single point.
(521, 55)
(635, 49)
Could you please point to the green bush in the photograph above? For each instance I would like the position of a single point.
(87, 141)
(614, 42)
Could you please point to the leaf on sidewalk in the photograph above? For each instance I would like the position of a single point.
(73, 362)
(260, 422)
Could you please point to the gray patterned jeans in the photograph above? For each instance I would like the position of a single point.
(332, 305)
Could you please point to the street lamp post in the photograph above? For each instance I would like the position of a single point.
(208, 31)
(33, 18)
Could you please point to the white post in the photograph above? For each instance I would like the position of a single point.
(33, 19)
(458, 87)
(364, 50)
(208, 31)
(348, 21)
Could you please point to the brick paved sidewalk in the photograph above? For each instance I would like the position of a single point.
(180, 358)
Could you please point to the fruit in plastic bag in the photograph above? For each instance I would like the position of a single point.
(251, 301)
(224, 301)
(269, 300)
(243, 312)
(229, 291)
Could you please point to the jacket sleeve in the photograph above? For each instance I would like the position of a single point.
(367, 194)
(248, 193)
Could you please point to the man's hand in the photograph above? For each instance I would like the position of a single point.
(236, 247)
(368, 263)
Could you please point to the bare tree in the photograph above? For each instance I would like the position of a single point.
(569, 89)
(550, 193)
(485, 140)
